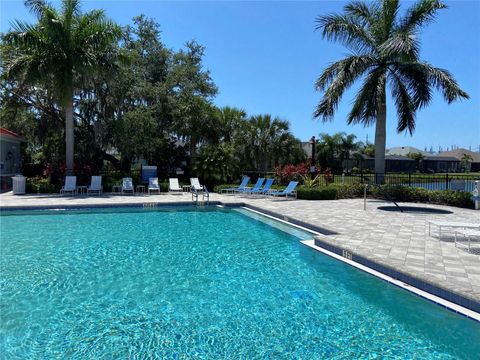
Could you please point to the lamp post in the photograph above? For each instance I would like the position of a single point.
(312, 160)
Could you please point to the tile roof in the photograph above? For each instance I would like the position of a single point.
(10, 134)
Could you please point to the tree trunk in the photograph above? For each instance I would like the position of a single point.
(69, 139)
(380, 139)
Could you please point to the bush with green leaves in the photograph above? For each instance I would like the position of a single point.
(40, 186)
(216, 163)
(349, 191)
(412, 194)
(318, 193)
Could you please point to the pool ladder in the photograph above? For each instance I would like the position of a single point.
(204, 193)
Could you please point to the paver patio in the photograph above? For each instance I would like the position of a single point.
(399, 240)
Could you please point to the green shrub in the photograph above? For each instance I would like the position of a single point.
(40, 186)
(349, 191)
(412, 194)
(164, 186)
(318, 193)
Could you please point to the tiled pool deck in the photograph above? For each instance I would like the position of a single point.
(394, 242)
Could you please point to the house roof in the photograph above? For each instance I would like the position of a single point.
(405, 150)
(440, 158)
(397, 158)
(388, 157)
(458, 153)
(5, 133)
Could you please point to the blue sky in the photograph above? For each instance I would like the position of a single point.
(265, 57)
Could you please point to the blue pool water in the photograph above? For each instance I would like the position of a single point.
(206, 284)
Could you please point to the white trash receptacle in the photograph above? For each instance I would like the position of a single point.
(18, 184)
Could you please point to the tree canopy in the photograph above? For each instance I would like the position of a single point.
(149, 103)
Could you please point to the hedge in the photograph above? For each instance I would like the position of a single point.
(412, 194)
(317, 193)
(396, 192)
(40, 186)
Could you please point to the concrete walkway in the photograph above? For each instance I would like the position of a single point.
(399, 240)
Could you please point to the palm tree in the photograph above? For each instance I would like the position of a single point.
(418, 157)
(65, 45)
(349, 145)
(465, 161)
(329, 148)
(266, 135)
(384, 50)
(225, 123)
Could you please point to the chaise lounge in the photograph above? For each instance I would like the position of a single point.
(95, 185)
(288, 191)
(127, 185)
(174, 186)
(240, 188)
(70, 185)
(153, 185)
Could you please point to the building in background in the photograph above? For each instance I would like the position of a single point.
(473, 163)
(405, 150)
(10, 157)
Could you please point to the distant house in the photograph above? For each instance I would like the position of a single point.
(405, 150)
(399, 163)
(459, 153)
(10, 158)
(393, 163)
(437, 163)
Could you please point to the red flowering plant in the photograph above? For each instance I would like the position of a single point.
(290, 172)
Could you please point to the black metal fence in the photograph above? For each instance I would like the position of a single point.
(462, 182)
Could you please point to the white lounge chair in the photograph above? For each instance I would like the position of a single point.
(174, 186)
(153, 185)
(195, 185)
(95, 185)
(70, 185)
(127, 185)
(197, 188)
(467, 235)
(452, 225)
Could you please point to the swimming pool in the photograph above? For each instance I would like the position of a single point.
(201, 283)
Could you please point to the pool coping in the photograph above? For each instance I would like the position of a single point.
(418, 286)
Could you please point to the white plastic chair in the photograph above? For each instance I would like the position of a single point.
(195, 183)
(127, 185)
(153, 185)
(174, 186)
(70, 185)
(197, 188)
(95, 185)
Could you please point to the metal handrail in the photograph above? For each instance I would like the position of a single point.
(388, 197)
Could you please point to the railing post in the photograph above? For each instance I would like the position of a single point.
(446, 181)
(409, 179)
(365, 197)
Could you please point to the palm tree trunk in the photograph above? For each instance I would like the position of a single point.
(69, 138)
(380, 139)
